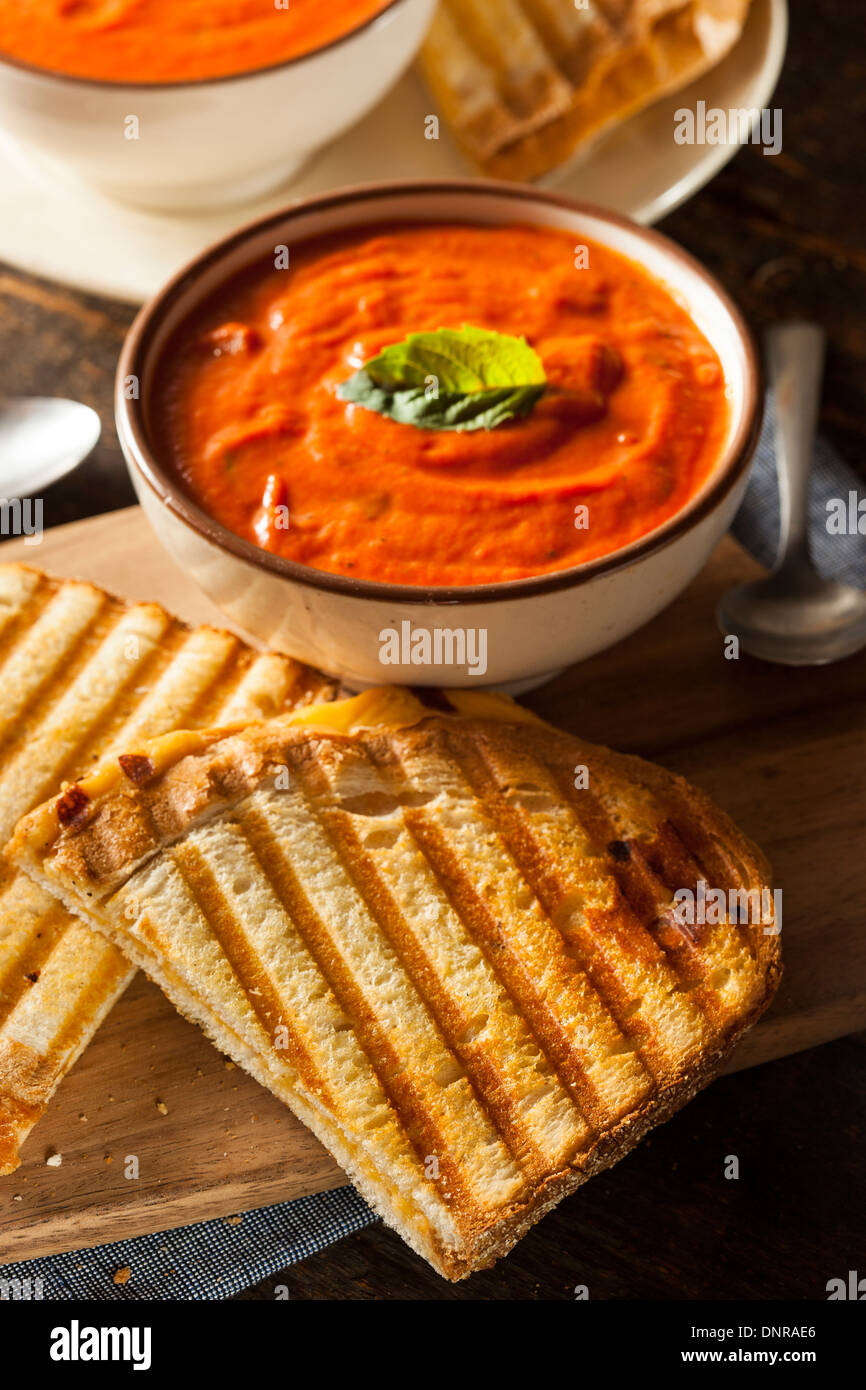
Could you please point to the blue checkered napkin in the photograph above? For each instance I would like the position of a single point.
(214, 1259)
(756, 525)
(211, 1260)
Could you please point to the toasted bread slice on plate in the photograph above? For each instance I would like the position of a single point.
(82, 673)
(526, 84)
(447, 939)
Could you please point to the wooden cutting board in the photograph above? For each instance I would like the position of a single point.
(781, 750)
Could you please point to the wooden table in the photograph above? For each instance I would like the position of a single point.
(784, 235)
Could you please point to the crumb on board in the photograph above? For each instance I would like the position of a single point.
(229, 1065)
(162, 1107)
(54, 1160)
(121, 1276)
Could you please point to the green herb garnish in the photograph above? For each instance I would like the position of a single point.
(450, 379)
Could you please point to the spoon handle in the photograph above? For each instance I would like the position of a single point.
(795, 357)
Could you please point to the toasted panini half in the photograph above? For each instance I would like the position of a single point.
(82, 673)
(525, 84)
(447, 940)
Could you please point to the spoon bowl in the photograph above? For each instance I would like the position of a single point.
(41, 439)
(796, 628)
(795, 617)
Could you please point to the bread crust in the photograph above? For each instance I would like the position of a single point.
(510, 784)
(525, 100)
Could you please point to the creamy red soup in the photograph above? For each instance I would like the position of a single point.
(172, 40)
(633, 419)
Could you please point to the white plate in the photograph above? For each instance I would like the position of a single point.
(67, 232)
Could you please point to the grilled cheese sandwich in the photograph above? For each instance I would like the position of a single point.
(455, 961)
(81, 673)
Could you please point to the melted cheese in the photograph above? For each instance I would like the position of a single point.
(386, 707)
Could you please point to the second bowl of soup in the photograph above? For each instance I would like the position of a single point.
(196, 104)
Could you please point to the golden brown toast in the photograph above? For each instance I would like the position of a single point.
(454, 961)
(525, 84)
(82, 673)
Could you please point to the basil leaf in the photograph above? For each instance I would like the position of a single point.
(450, 410)
(450, 379)
(465, 359)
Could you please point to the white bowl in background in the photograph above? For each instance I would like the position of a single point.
(115, 249)
(534, 627)
(212, 141)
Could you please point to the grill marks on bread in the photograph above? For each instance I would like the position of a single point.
(82, 675)
(430, 937)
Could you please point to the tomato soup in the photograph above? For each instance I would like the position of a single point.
(246, 407)
(172, 40)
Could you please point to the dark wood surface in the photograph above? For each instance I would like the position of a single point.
(785, 235)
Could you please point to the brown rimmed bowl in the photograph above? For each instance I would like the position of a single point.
(531, 627)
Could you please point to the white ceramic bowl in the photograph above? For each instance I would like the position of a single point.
(214, 141)
(533, 627)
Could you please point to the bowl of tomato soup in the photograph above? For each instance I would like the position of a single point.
(456, 433)
(200, 103)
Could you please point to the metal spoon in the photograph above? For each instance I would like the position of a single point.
(794, 616)
(41, 439)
